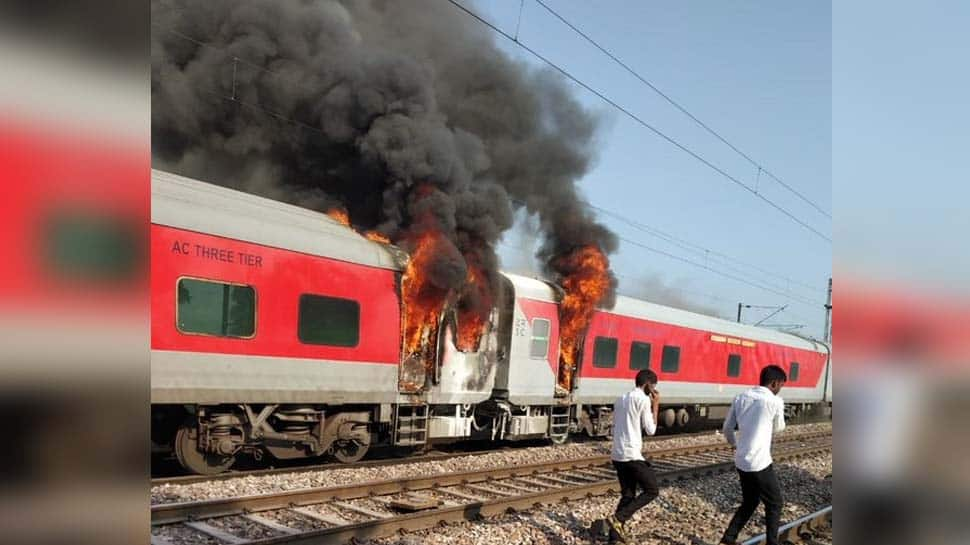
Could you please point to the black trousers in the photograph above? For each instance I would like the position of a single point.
(758, 486)
(631, 475)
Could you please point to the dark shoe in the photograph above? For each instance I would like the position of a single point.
(618, 530)
(600, 530)
(726, 542)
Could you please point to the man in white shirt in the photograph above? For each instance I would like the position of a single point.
(634, 411)
(758, 414)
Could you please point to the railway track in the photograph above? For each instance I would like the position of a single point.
(380, 508)
(428, 457)
(800, 530)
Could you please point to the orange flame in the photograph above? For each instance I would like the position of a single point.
(374, 236)
(340, 215)
(423, 301)
(585, 285)
(473, 310)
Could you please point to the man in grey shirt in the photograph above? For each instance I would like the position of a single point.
(634, 413)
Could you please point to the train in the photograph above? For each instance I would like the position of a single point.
(276, 330)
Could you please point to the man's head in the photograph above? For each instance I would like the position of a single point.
(646, 377)
(773, 378)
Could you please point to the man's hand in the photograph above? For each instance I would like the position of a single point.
(654, 402)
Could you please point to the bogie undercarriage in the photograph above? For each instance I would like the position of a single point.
(209, 439)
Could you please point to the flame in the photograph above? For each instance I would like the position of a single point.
(473, 309)
(375, 236)
(340, 215)
(585, 284)
(423, 301)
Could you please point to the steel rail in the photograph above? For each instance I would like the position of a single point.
(797, 530)
(298, 469)
(472, 511)
(171, 513)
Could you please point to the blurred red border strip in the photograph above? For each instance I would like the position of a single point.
(45, 171)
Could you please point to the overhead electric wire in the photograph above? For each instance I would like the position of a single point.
(632, 280)
(708, 268)
(763, 285)
(784, 308)
(720, 272)
(761, 321)
(675, 104)
(696, 248)
(640, 120)
(704, 294)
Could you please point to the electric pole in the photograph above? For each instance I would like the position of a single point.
(827, 332)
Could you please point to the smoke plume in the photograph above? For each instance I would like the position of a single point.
(404, 114)
(651, 287)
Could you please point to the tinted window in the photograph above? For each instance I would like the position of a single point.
(670, 361)
(793, 373)
(604, 352)
(216, 308)
(540, 338)
(639, 355)
(328, 320)
(734, 365)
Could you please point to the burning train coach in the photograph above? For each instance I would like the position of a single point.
(277, 330)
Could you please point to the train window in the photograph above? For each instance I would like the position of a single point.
(539, 348)
(639, 355)
(604, 352)
(670, 359)
(793, 372)
(734, 365)
(328, 320)
(207, 307)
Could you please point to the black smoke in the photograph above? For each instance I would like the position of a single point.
(406, 114)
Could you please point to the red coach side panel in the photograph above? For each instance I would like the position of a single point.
(702, 360)
(701, 369)
(279, 278)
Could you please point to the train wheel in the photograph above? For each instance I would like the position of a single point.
(559, 439)
(355, 447)
(683, 418)
(193, 460)
(350, 451)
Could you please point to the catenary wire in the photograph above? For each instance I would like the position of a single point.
(680, 107)
(697, 248)
(568, 75)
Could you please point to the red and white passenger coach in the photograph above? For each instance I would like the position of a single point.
(278, 330)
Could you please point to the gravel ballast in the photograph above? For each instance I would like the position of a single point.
(265, 484)
(691, 512)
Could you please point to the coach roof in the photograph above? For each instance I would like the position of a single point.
(189, 204)
(627, 306)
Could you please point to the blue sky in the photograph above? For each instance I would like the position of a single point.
(757, 72)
